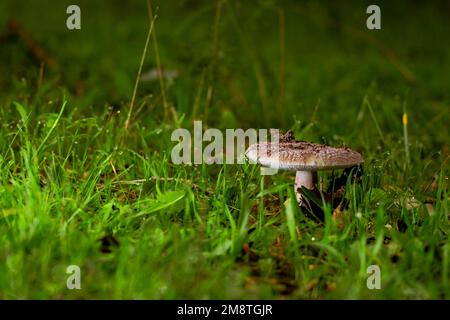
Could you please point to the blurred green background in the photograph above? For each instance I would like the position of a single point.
(326, 57)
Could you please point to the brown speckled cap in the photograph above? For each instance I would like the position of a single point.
(302, 156)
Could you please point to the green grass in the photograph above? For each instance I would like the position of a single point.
(222, 231)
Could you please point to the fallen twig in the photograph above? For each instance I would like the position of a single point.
(34, 49)
(141, 181)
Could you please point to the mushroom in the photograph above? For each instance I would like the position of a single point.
(303, 157)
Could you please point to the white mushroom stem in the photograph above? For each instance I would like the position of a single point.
(303, 179)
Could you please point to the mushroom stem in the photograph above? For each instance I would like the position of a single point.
(303, 179)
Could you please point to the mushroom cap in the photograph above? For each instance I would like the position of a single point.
(302, 156)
